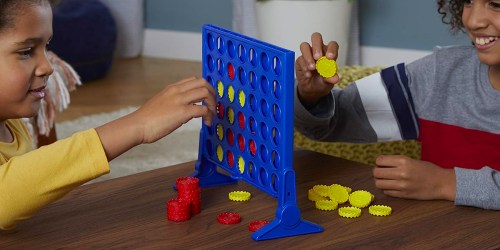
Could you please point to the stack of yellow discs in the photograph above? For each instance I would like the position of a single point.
(326, 67)
(239, 196)
(350, 212)
(360, 198)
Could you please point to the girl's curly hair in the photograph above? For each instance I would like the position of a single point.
(10, 8)
(451, 13)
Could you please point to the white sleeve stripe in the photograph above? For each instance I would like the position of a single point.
(378, 108)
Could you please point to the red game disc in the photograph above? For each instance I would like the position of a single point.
(229, 218)
(256, 225)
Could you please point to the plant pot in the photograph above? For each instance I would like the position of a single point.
(287, 23)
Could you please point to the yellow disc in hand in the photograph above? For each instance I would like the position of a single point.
(326, 67)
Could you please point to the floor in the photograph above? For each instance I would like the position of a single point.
(130, 82)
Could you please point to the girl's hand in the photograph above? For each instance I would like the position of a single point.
(311, 85)
(404, 177)
(175, 105)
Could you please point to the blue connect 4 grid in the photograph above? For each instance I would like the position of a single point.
(251, 136)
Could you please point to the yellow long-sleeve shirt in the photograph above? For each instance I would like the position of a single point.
(31, 179)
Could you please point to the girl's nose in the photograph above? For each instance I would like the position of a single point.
(44, 67)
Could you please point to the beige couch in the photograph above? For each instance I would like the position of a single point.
(364, 153)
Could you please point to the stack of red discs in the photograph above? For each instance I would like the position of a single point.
(188, 189)
(178, 210)
(188, 201)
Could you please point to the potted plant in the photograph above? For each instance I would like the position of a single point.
(287, 23)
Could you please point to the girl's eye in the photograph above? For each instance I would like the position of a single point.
(467, 2)
(25, 53)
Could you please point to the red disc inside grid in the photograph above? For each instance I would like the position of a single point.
(220, 110)
(241, 142)
(229, 218)
(253, 147)
(256, 225)
(230, 137)
(230, 71)
(241, 120)
(230, 159)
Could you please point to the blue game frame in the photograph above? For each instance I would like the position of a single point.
(251, 136)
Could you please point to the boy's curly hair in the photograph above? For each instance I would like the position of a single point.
(10, 8)
(451, 13)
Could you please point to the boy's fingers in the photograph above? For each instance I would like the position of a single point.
(305, 49)
(389, 173)
(317, 45)
(332, 50)
(386, 185)
(301, 65)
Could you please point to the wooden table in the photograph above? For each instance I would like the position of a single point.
(130, 212)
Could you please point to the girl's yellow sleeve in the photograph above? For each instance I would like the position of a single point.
(30, 181)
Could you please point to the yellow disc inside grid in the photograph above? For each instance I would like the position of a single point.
(220, 153)
(326, 67)
(241, 97)
(220, 88)
(230, 115)
(241, 164)
(230, 93)
(220, 131)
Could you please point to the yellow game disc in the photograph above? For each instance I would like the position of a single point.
(360, 198)
(350, 212)
(338, 193)
(326, 205)
(239, 196)
(322, 190)
(314, 196)
(326, 67)
(380, 210)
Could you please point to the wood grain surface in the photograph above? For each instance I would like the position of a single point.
(130, 213)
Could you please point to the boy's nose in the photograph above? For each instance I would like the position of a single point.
(476, 17)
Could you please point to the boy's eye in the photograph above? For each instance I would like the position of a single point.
(495, 4)
(467, 2)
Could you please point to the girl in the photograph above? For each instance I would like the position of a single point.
(31, 179)
(448, 100)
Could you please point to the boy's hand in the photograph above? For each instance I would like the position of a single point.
(311, 85)
(404, 177)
